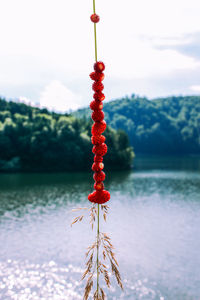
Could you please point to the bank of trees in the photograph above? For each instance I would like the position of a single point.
(161, 126)
(33, 139)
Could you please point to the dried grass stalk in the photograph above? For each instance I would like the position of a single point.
(77, 219)
(102, 242)
(88, 288)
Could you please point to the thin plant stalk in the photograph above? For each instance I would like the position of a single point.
(95, 32)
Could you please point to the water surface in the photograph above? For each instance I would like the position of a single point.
(153, 221)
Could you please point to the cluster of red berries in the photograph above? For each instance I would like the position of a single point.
(100, 195)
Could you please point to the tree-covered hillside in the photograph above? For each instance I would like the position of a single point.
(161, 126)
(33, 139)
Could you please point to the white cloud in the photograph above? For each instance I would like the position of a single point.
(56, 38)
(171, 41)
(195, 88)
(27, 101)
(58, 97)
(141, 60)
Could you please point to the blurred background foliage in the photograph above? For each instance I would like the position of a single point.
(160, 126)
(33, 139)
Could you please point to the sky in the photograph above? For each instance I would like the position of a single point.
(150, 48)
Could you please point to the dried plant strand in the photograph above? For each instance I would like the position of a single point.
(103, 296)
(104, 216)
(93, 212)
(77, 219)
(91, 248)
(88, 288)
(80, 208)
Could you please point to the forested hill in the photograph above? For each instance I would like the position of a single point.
(161, 126)
(33, 139)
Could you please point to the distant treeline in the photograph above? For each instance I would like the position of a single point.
(33, 139)
(161, 126)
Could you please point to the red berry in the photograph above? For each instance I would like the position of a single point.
(98, 158)
(98, 139)
(99, 186)
(94, 18)
(99, 96)
(99, 197)
(97, 115)
(97, 166)
(99, 176)
(100, 149)
(98, 128)
(100, 76)
(105, 196)
(97, 86)
(96, 105)
(93, 75)
(99, 66)
(97, 76)
(92, 197)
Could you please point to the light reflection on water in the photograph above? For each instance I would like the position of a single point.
(154, 224)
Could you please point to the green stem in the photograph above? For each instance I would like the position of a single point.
(95, 32)
(94, 7)
(95, 39)
(98, 251)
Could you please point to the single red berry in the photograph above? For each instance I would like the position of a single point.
(96, 167)
(99, 96)
(98, 186)
(100, 149)
(98, 128)
(98, 139)
(97, 86)
(98, 158)
(104, 197)
(93, 75)
(97, 76)
(94, 18)
(97, 115)
(99, 176)
(99, 66)
(99, 197)
(92, 197)
(96, 105)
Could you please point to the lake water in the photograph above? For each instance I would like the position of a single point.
(154, 223)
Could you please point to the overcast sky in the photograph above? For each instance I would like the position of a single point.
(150, 48)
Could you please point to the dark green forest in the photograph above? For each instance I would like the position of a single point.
(160, 126)
(33, 139)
